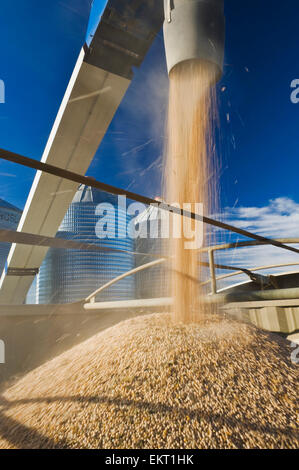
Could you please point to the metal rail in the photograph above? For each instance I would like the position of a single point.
(270, 295)
(128, 304)
(238, 272)
(23, 238)
(281, 297)
(92, 296)
(77, 178)
(226, 246)
(210, 250)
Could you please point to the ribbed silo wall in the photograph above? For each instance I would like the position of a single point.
(71, 275)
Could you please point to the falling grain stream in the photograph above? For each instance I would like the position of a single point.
(189, 161)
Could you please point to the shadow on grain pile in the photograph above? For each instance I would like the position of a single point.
(148, 383)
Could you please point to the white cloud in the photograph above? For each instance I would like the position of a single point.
(278, 219)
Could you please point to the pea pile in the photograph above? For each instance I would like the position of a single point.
(150, 383)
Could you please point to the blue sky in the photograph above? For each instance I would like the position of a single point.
(258, 144)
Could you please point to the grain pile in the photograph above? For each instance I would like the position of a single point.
(148, 383)
(188, 169)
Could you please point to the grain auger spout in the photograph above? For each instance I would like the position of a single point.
(194, 29)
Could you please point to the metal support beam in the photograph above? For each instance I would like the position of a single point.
(212, 271)
(22, 271)
(74, 139)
